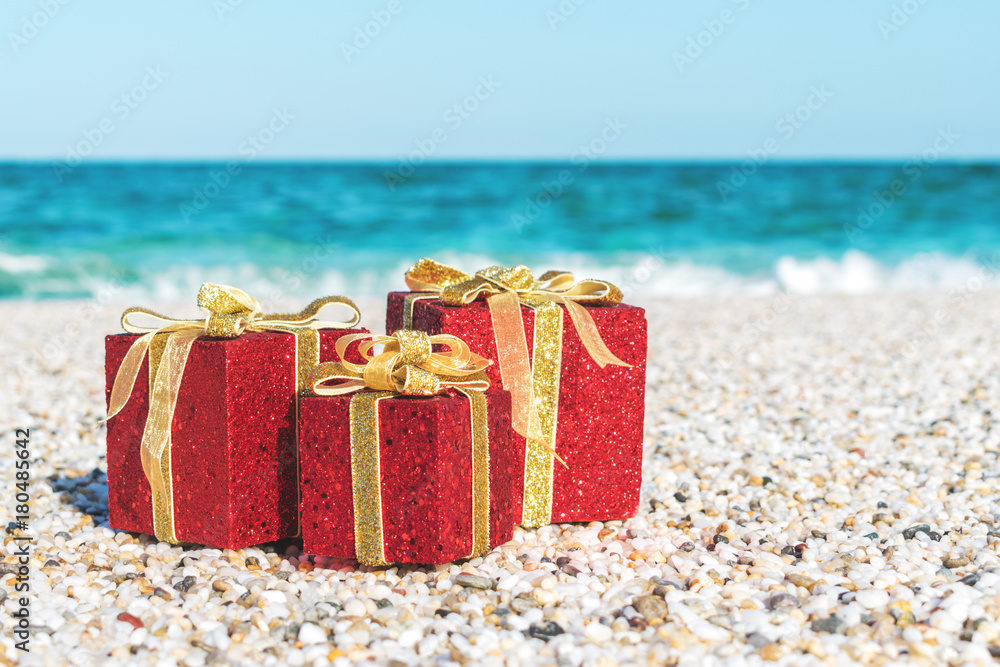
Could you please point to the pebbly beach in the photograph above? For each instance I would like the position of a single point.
(818, 488)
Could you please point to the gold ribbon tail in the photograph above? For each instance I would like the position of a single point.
(590, 336)
(128, 371)
(513, 359)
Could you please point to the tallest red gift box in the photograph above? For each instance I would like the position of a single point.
(202, 435)
(573, 358)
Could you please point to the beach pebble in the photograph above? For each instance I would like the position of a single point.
(831, 624)
(472, 581)
(311, 634)
(355, 607)
(598, 632)
(782, 601)
(545, 630)
(872, 598)
(912, 531)
(650, 606)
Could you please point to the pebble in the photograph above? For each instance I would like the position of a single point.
(831, 624)
(130, 619)
(355, 607)
(545, 630)
(872, 598)
(311, 634)
(970, 579)
(953, 563)
(912, 531)
(782, 601)
(650, 606)
(802, 580)
(472, 581)
(185, 584)
(522, 604)
(598, 632)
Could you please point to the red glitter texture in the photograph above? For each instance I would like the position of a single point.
(233, 441)
(599, 432)
(426, 468)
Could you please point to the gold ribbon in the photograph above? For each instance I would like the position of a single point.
(231, 312)
(409, 366)
(534, 383)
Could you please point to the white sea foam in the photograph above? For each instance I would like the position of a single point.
(640, 276)
(15, 264)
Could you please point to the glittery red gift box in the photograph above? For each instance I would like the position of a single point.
(600, 416)
(426, 476)
(235, 482)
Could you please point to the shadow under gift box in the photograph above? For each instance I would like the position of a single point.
(233, 451)
(425, 460)
(600, 413)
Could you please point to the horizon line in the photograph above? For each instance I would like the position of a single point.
(707, 161)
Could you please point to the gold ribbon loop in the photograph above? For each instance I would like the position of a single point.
(230, 313)
(517, 278)
(414, 346)
(430, 276)
(418, 382)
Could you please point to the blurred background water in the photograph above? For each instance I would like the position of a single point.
(660, 229)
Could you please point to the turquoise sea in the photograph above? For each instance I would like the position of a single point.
(156, 231)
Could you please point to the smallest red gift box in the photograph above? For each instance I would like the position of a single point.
(425, 465)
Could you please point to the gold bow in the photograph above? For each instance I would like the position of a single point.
(534, 387)
(407, 365)
(231, 312)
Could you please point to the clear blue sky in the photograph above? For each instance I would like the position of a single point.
(559, 81)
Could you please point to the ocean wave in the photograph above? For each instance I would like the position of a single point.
(640, 275)
(17, 264)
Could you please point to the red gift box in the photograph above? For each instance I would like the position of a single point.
(425, 465)
(233, 451)
(600, 411)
